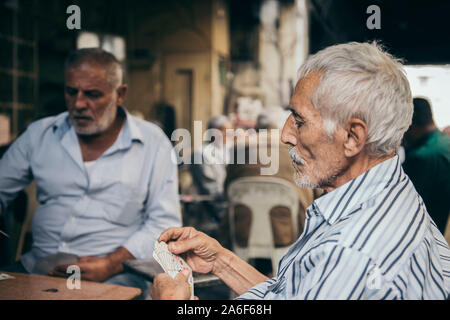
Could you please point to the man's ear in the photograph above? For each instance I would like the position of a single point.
(121, 93)
(356, 131)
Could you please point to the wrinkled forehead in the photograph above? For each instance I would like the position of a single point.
(85, 69)
(308, 83)
(89, 74)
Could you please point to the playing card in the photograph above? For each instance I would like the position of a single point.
(172, 264)
(4, 276)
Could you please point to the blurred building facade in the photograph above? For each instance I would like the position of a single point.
(190, 55)
(175, 53)
(198, 56)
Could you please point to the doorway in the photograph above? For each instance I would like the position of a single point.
(183, 98)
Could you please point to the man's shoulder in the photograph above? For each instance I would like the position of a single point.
(387, 229)
(149, 131)
(42, 125)
(437, 145)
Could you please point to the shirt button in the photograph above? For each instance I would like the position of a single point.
(73, 219)
(63, 244)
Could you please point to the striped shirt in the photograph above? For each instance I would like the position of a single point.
(371, 238)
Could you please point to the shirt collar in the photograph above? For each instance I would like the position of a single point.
(344, 200)
(130, 131)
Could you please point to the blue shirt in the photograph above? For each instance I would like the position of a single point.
(129, 197)
(371, 238)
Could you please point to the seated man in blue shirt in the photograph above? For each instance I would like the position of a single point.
(369, 236)
(106, 182)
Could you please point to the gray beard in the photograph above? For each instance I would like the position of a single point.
(304, 182)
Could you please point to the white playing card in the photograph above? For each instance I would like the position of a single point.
(172, 264)
(4, 276)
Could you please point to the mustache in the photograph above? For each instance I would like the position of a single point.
(296, 157)
(80, 115)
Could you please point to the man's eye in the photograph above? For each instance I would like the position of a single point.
(71, 92)
(93, 95)
(298, 124)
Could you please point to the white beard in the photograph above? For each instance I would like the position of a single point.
(304, 182)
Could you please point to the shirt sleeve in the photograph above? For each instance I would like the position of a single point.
(163, 207)
(15, 170)
(258, 292)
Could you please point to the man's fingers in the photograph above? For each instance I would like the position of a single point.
(183, 275)
(62, 267)
(160, 278)
(171, 234)
(84, 259)
(60, 271)
(55, 273)
(182, 246)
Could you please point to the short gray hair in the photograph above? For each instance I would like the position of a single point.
(361, 80)
(98, 57)
(218, 122)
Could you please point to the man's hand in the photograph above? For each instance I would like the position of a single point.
(204, 254)
(166, 288)
(97, 269)
(199, 250)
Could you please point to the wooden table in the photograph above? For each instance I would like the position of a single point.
(38, 287)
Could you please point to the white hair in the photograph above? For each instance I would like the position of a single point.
(218, 122)
(214, 124)
(360, 80)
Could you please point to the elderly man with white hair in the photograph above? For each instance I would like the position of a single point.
(369, 236)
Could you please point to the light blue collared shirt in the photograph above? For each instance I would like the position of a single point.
(128, 198)
(371, 238)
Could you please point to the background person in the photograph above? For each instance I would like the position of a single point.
(427, 162)
(105, 180)
(209, 175)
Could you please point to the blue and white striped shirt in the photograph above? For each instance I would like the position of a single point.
(371, 238)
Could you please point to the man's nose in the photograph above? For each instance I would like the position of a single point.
(288, 135)
(80, 101)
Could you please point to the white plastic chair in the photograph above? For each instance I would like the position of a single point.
(261, 194)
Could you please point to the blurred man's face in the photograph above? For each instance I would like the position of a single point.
(91, 99)
(227, 133)
(317, 158)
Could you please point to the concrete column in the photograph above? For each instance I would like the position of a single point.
(283, 47)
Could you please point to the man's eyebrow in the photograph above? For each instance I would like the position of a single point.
(295, 113)
(93, 91)
(68, 88)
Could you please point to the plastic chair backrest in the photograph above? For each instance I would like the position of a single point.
(261, 194)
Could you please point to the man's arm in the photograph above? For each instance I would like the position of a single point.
(163, 206)
(117, 257)
(236, 273)
(15, 171)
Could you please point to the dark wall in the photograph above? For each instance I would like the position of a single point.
(416, 30)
